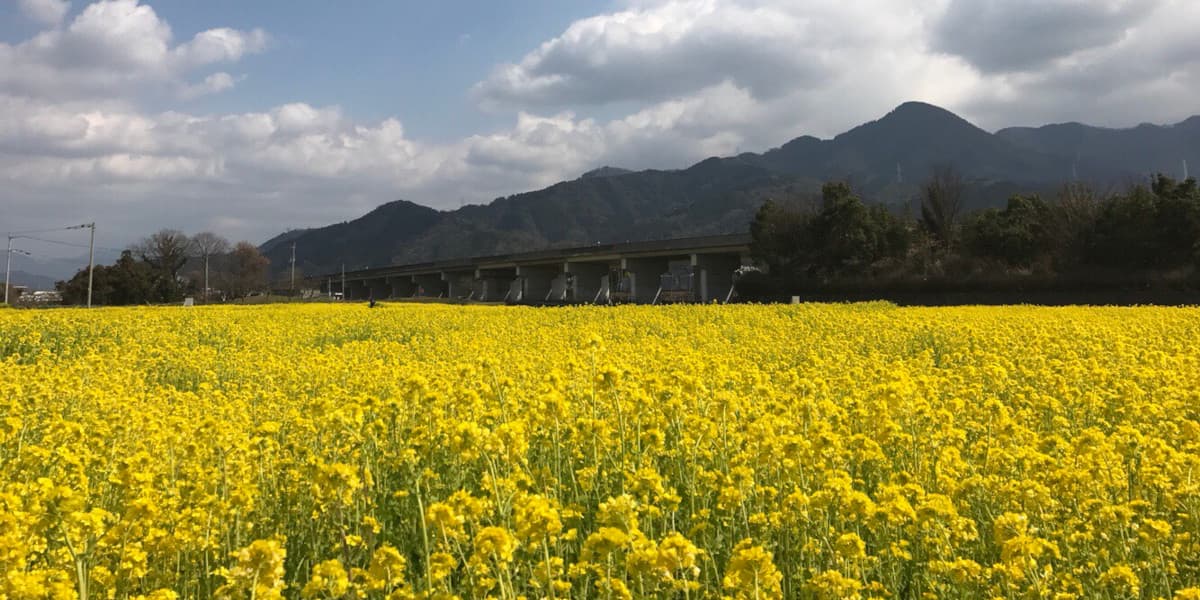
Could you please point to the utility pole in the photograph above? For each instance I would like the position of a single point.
(91, 255)
(343, 281)
(7, 269)
(25, 234)
(206, 277)
(8, 265)
(293, 267)
(91, 260)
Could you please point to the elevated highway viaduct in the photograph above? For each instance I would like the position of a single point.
(698, 269)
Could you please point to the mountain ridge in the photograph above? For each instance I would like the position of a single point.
(884, 159)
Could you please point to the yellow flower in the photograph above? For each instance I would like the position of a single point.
(603, 542)
(676, 554)
(451, 451)
(850, 546)
(1121, 581)
(751, 572)
(495, 543)
(387, 569)
(329, 580)
(536, 520)
(258, 571)
(441, 565)
(831, 585)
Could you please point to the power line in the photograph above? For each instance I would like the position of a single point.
(16, 233)
(62, 243)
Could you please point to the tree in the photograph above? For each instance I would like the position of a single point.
(1177, 220)
(128, 281)
(132, 281)
(942, 197)
(74, 290)
(1155, 227)
(778, 237)
(1073, 223)
(847, 236)
(247, 270)
(844, 237)
(1017, 235)
(166, 251)
(205, 245)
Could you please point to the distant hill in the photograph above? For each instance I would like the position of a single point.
(41, 272)
(30, 280)
(884, 160)
(905, 144)
(283, 239)
(1111, 155)
(375, 238)
(605, 172)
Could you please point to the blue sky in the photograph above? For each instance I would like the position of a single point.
(247, 118)
(412, 60)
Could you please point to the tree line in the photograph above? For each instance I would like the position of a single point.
(1147, 234)
(168, 266)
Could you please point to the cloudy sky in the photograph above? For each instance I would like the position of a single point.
(249, 118)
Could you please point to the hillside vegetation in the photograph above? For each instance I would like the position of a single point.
(886, 162)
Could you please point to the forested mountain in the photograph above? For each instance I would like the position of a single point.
(1108, 155)
(885, 161)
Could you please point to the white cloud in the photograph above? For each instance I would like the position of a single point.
(213, 84)
(1016, 35)
(809, 66)
(46, 12)
(115, 49)
(220, 45)
(663, 51)
(679, 80)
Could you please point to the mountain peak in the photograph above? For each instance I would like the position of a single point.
(605, 171)
(1189, 122)
(918, 106)
(913, 123)
(924, 114)
(886, 159)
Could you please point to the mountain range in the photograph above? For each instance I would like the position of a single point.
(884, 160)
(40, 272)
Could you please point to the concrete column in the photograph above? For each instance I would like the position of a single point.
(429, 285)
(538, 282)
(356, 290)
(644, 276)
(714, 273)
(560, 286)
(402, 287)
(459, 285)
(515, 290)
(492, 285)
(589, 279)
(378, 288)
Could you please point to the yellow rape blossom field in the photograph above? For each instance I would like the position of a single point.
(420, 451)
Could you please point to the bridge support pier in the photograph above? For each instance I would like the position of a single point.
(538, 282)
(645, 275)
(492, 285)
(459, 285)
(402, 287)
(429, 286)
(714, 275)
(588, 281)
